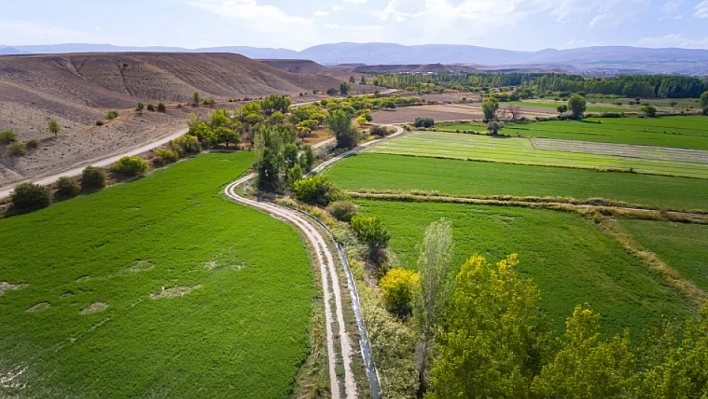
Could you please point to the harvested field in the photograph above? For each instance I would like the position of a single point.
(243, 333)
(623, 150)
(446, 112)
(458, 177)
(521, 151)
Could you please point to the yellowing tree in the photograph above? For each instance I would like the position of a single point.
(398, 287)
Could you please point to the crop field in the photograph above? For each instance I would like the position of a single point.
(676, 132)
(598, 107)
(568, 258)
(684, 247)
(522, 151)
(448, 176)
(155, 288)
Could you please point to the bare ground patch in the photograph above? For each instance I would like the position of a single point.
(11, 379)
(174, 292)
(39, 307)
(5, 286)
(94, 308)
(140, 266)
(623, 150)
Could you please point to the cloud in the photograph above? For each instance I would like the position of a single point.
(23, 32)
(331, 26)
(673, 40)
(355, 1)
(321, 13)
(701, 9)
(261, 17)
(607, 12)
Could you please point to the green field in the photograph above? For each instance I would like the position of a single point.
(521, 151)
(448, 176)
(242, 331)
(569, 259)
(684, 247)
(599, 107)
(677, 132)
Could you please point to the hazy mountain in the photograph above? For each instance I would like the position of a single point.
(4, 50)
(591, 60)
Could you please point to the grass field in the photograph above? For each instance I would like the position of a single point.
(448, 176)
(156, 288)
(684, 247)
(677, 132)
(521, 151)
(567, 257)
(599, 107)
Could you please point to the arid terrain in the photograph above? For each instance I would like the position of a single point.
(79, 89)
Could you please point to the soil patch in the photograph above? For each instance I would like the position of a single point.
(94, 308)
(5, 286)
(174, 292)
(39, 307)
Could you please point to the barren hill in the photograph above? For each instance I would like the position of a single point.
(79, 89)
(296, 66)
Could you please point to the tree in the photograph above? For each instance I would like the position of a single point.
(93, 178)
(649, 110)
(54, 126)
(203, 133)
(140, 107)
(332, 92)
(424, 122)
(196, 99)
(29, 197)
(17, 149)
(515, 112)
(268, 168)
(588, 366)
(68, 187)
(290, 155)
(704, 102)
(490, 106)
(186, 145)
(275, 103)
(294, 174)
(151, 108)
(351, 79)
(307, 159)
(374, 235)
(361, 120)
(492, 342)
(493, 128)
(315, 190)
(344, 88)
(363, 80)
(7, 137)
(398, 287)
(562, 109)
(130, 166)
(389, 105)
(673, 104)
(161, 108)
(343, 211)
(432, 297)
(340, 125)
(577, 106)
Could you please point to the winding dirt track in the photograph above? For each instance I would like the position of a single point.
(330, 282)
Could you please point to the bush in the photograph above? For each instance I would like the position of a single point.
(649, 110)
(100, 123)
(111, 115)
(332, 92)
(32, 144)
(17, 148)
(314, 190)
(93, 178)
(398, 287)
(130, 166)
(424, 122)
(140, 107)
(186, 145)
(379, 131)
(163, 157)
(343, 211)
(7, 137)
(68, 187)
(28, 196)
(151, 108)
(371, 232)
(161, 108)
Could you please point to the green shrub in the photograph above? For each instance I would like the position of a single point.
(186, 145)
(32, 144)
(7, 137)
(379, 131)
(17, 148)
(93, 178)
(140, 107)
(343, 211)
(130, 166)
(68, 187)
(371, 232)
(163, 157)
(314, 190)
(151, 108)
(100, 123)
(28, 196)
(161, 108)
(111, 115)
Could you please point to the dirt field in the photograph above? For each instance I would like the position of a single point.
(447, 112)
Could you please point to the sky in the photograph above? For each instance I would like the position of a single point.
(293, 24)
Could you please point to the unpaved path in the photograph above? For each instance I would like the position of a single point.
(330, 281)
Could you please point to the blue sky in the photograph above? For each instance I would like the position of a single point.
(509, 24)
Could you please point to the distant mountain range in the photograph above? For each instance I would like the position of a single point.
(589, 60)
